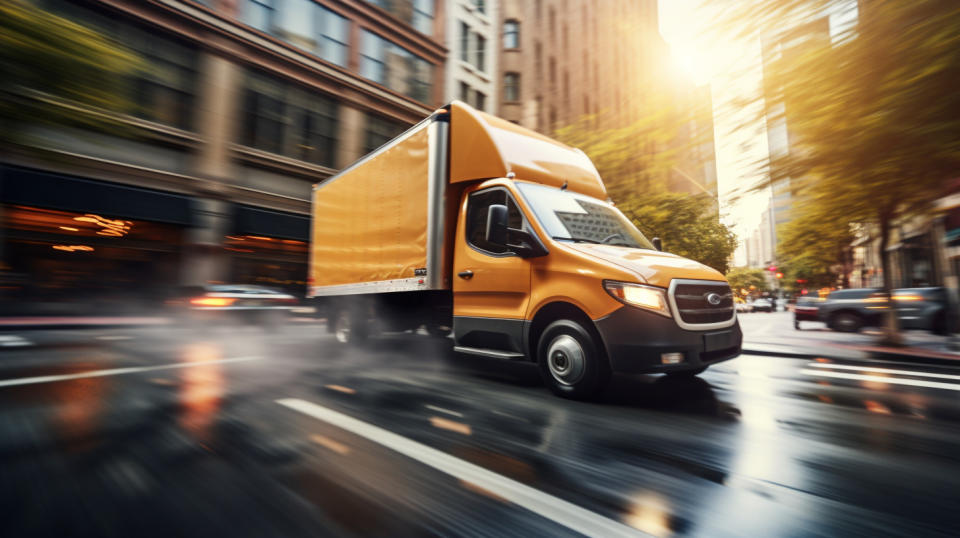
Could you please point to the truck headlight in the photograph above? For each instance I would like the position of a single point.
(646, 297)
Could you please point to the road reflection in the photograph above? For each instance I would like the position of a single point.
(201, 389)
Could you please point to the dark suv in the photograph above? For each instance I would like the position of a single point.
(917, 308)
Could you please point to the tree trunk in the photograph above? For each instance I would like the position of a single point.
(891, 326)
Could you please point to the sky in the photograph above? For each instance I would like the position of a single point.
(732, 70)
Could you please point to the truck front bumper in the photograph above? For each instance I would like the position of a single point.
(635, 341)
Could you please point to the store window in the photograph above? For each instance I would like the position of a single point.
(395, 67)
(379, 130)
(285, 119)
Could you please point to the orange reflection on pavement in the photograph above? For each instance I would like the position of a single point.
(201, 389)
(330, 444)
(650, 514)
(877, 407)
(451, 425)
(80, 405)
(341, 388)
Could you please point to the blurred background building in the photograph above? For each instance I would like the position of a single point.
(239, 107)
(562, 61)
(471, 36)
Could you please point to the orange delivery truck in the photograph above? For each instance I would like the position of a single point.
(471, 225)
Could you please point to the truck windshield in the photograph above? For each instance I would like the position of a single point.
(574, 217)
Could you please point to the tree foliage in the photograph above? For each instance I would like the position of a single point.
(43, 55)
(815, 246)
(684, 225)
(872, 115)
(746, 278)
(639, 156)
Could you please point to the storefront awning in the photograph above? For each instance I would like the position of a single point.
(30, 187)
(263, 222)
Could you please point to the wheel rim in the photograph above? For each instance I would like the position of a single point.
(847, 322)
(566, 359)
(341, 328)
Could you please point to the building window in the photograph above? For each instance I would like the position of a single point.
(417, 13)
(566, 90)
(479, 100)
(481, 5)
(162, 88)
(511, 87)
(464, 92)
(464, 42)
(332, 37)
(258, 13)
(378, 131)
(423, 16)
(283, 119)
(553, 73)
(481, 52)
(305, 24)
(395, 67)
(511, 34)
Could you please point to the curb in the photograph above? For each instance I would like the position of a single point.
(872, 356)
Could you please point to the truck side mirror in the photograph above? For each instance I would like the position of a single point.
(657, 244)
(497, 225)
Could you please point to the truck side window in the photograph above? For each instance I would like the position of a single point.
(478, 206)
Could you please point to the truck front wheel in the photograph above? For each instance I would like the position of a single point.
(571, 360)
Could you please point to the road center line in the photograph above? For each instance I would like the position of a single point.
(881, 379)
(113, 371)
(880, 370)
(442, 410)
(557, 510)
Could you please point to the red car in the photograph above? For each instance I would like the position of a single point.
(806, 309)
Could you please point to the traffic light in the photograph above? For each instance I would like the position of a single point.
(779, 275)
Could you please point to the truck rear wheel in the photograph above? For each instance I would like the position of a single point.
(571, 361)
(348, 327)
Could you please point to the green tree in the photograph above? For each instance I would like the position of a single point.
(684, 225)
(872, 116)
(639, 156)
(746, 278)
(49, 65)
(815, 246)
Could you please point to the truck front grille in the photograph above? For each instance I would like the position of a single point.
(694, 306)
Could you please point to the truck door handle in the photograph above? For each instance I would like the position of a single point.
(467, 275)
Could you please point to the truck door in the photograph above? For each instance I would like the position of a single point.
(491, 286)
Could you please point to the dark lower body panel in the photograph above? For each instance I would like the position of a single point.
(636, 339)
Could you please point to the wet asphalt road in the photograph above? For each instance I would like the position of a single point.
(236, 432)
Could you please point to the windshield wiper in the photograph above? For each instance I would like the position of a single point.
(578, 239)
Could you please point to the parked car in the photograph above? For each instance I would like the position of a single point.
(917, 308)
(762, 305)
(806, 309)
(234, 302)
(742, 305)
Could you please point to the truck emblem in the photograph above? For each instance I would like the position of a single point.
(714, 298)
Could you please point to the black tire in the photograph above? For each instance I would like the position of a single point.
(939, 326)
(439, 331)
(796, 325)
(688, 373)
(578, 367)
(846, 322)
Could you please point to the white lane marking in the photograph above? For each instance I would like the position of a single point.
(442, 410)
(557, 510)
(881, 379)
(13, 341)
(880, 370)
(114, 337)
(113, 371)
